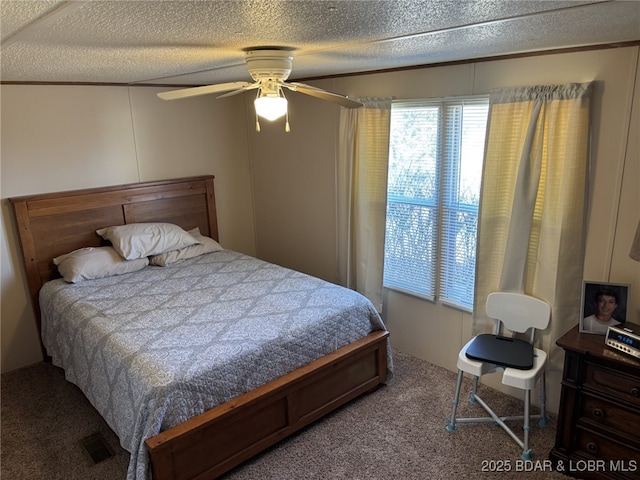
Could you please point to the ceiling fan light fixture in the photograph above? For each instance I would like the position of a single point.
(269, 67)
(271, 106)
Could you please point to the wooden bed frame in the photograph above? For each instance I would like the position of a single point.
(216, 441)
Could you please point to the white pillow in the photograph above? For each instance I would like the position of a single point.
(137, 240)
(95, 262)
(207, 245)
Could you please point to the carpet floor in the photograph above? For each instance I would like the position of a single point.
(397, 432)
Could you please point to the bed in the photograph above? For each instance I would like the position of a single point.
(204, 432)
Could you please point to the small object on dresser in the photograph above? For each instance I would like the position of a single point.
(624, 338)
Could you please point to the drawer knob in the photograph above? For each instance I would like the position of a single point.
(592, 447)
(635, 391)
(598, 413)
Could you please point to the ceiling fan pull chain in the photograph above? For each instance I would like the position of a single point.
(286, 122)
(257, 123)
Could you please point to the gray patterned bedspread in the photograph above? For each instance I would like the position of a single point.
(154, 348)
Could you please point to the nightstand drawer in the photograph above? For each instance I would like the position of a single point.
(597, 446)
(622, 386)
(606, 414)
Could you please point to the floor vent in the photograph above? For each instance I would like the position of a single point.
(97, 447)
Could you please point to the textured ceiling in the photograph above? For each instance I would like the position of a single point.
(202, 42)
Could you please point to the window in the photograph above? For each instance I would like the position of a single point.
(435, 169)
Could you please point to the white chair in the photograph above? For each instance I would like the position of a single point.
(494, 353)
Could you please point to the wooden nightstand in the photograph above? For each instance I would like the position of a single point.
(598, 433)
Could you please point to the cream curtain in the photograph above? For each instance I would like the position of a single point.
(363, 156)
(533, 203)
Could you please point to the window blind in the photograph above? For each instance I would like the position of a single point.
(435, 167)
(463, 152)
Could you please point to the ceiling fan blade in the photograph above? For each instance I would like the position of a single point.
(251, 86)
(205, 90)
(322, 94)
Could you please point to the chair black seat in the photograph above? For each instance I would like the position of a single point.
(503, 351)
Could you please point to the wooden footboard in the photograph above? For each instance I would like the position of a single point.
(222, 438)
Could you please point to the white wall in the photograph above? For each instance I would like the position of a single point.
(66, 137)
(293, 177)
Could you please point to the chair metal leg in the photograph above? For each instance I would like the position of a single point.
(451, 422)
(543, 400)
(474, 390)
(526, 454)
(494, 418)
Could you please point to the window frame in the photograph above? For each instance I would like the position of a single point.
(445, 195)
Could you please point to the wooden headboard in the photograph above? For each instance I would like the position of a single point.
(52, 224)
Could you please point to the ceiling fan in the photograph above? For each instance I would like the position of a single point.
(269, 68)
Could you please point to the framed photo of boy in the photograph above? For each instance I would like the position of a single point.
(603, 304)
